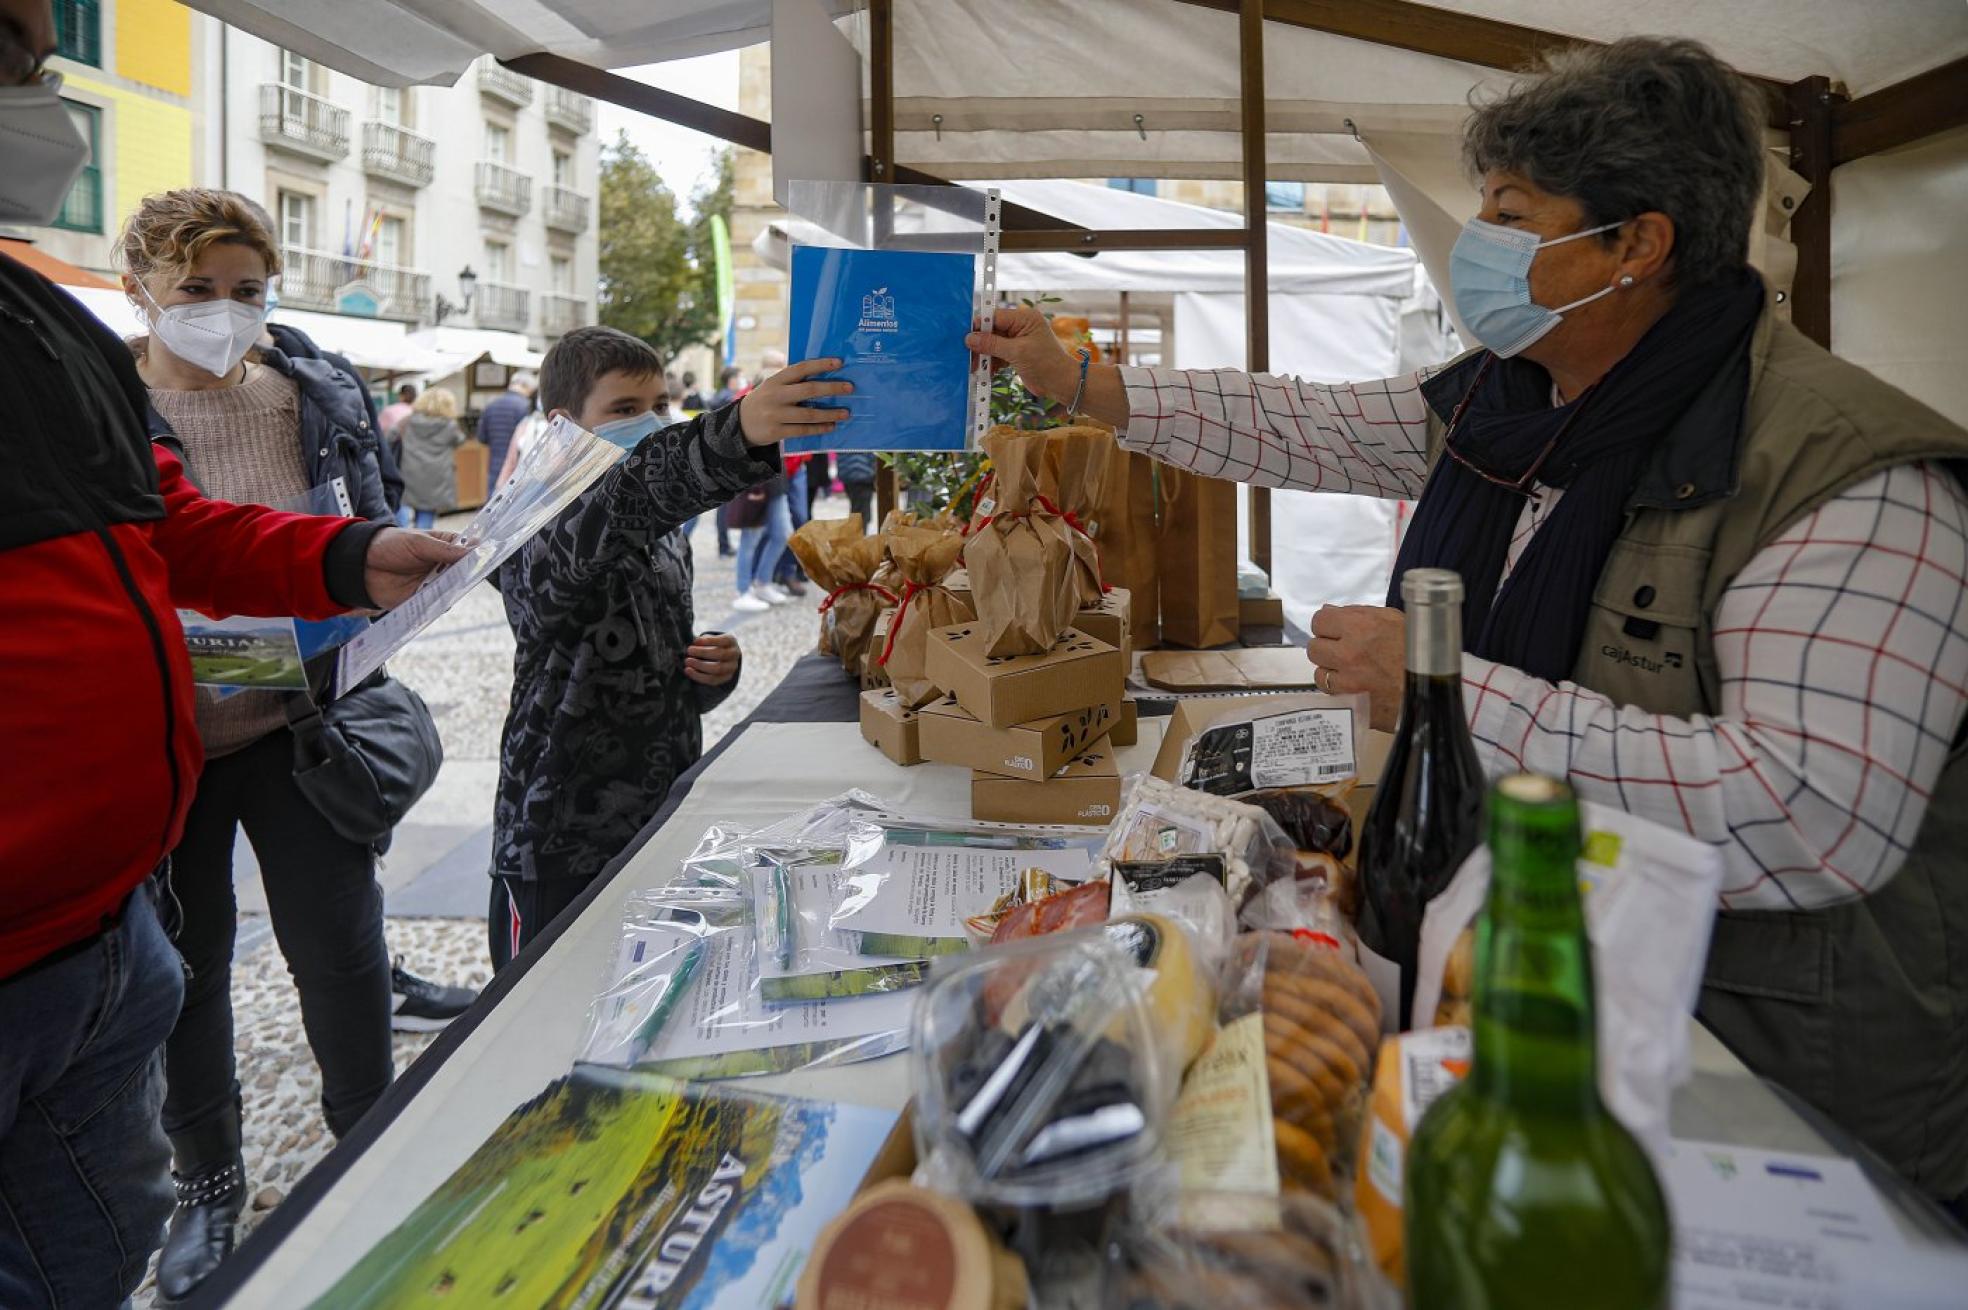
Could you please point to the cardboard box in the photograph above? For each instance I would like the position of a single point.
(1258, 668)
(893, 728)
(1077, 672)
(1261, 611)
(473, 464)
(1086, 791)
(1033, 751)
(1127, 727)
(1112, 621)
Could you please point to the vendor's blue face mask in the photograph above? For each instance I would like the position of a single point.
(629, 432)
(1490, 278)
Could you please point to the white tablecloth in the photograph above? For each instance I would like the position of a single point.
(529, 1038)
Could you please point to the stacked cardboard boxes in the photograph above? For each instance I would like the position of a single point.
(1033, 729)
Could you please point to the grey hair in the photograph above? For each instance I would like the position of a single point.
(1644, 124)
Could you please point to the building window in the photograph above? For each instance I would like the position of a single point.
(498, 262)
(561, 274)
(82, 211)
(1141, 186)
(391, 241)
(78, 30)
(392, 104)
(498, 143)
(563, 169)
(1285, 196)
(293, 70)
(296, 220)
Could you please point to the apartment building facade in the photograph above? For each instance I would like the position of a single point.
(472, 205)
(127, 78)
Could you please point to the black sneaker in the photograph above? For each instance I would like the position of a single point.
(422, 1006)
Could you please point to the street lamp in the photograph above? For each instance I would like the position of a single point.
(467, 287)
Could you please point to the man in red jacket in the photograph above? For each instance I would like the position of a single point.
(102, 537)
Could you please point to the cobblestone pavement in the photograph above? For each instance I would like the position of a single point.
(462, 666)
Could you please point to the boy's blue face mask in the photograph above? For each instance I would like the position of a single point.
(1490, 280)
(628, 433)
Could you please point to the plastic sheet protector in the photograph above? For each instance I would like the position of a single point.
(558, 466)
(912, 270)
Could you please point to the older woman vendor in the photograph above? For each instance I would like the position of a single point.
(1714, 574)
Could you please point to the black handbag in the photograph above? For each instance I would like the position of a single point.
(363, 760)
(748, 509)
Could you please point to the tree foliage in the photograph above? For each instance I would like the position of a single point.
(658, 277)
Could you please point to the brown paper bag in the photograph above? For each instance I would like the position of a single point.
(1031, 570)
(924, 557)
(1125, 521)
(808, 544)
(841, 560)
(1197, 557)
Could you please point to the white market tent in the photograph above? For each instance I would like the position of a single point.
(1868, 127)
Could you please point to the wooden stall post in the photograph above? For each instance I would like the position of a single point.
(1257, 245)
(1811, 103)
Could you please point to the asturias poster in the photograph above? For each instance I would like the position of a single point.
(625, 1191)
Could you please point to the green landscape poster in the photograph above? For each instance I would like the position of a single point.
(616, 1190)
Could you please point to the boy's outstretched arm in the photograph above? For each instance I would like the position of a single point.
(679, 472)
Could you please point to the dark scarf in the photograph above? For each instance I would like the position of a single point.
(1605, 439)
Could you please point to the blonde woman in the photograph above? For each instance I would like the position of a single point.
(431, 437)
(256, 427)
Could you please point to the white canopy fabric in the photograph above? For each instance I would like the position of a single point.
(371, 343)
(457, 347)
(1122, 88)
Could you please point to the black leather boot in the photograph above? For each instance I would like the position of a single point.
(211, 1182)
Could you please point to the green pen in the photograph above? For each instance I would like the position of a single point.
(788, 918)
(686, 972)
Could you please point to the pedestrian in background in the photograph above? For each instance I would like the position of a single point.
(430, 438)
(693, 399)
(502, 417)
(732, 387)
(857, 475)
(760, 546)
(397, 410)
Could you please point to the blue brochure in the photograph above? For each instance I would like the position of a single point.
(897, 320)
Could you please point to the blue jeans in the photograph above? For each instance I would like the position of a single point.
(423, 518)
(788, 569)
(759, 548)
(85, 1184)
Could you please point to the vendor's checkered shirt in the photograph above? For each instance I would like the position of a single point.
(1842, 646)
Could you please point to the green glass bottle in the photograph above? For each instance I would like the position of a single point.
(1522, 1189)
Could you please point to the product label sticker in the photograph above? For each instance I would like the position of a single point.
(1385, 1162)
(1219, 1133)
(1298, 749)
(1160, 875)
(1434, 1061)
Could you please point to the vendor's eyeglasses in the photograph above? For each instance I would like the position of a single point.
(1526, 484)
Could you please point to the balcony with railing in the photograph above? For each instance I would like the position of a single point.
(504, 84)
(560, 315)
(571, 110)
(321, 279)
(303, 122)
(505, 189)
(398, 154)
(500, 306)
(565, 210)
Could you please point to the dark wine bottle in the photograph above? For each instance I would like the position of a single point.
(1427, 813)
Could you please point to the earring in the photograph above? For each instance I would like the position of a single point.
(1627, 281)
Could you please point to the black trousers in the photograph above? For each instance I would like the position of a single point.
(521, 909)
(327, 914)
(861, 500)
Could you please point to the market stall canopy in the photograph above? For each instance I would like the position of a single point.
(1301, 261)
(407, 42)
(458, 347)
(59, 271)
